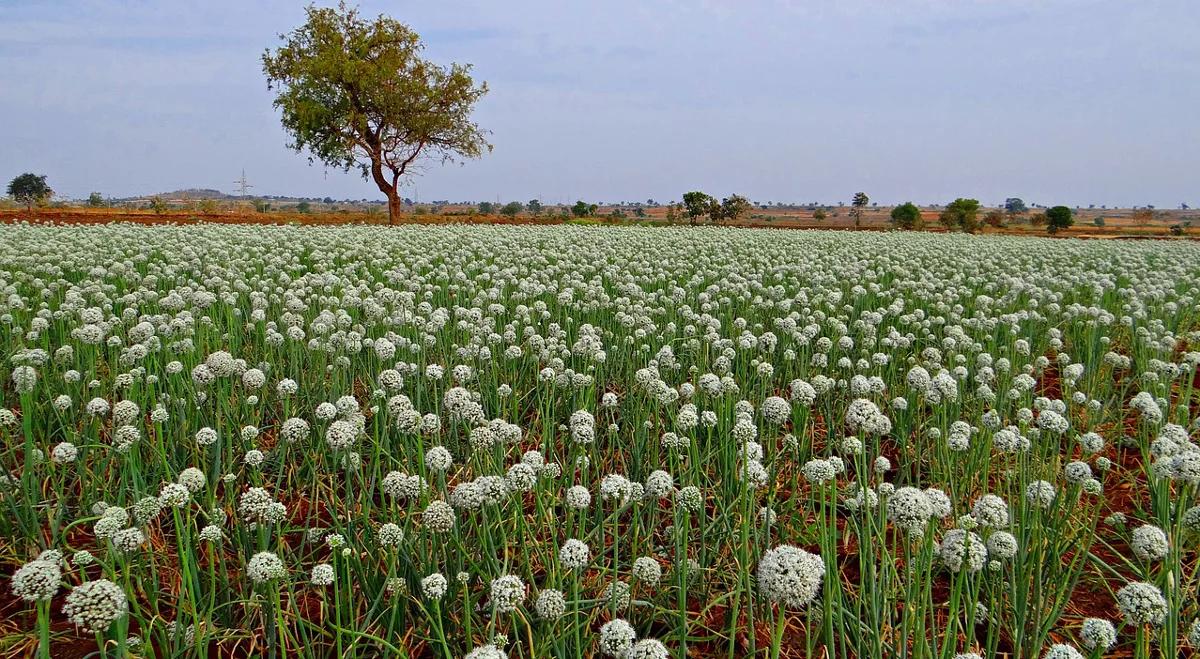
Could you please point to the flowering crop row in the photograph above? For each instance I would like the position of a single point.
(575, 441)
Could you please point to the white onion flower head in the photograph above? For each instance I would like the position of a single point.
(37, 581)
(962, 549)
(616, 637)
(1062, 651)
(1097, 634)
(322, 574)
(574, 554)
(265, 566)
(1150, 543)
(434, 586)
(507, 593)
(647, 648)
(790, 576)
(95, 605)
(1142, 604)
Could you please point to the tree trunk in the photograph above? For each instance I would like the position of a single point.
(394, 203)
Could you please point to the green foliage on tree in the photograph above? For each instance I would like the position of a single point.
(696, 204)
(534, 206)
(1014, 206)
(356, 93)
(159, 205)
(487, 207)
(304, 207)
(820, 215)
(730, 209)
(639, 212)
(961, 214)
(29, 189)
(907, 216)
(512, 208)
(994, 218)
(95, 200)
(857, 205)
(584, 209)
(1059, 218)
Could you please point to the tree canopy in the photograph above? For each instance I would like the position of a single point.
(1059, 218)
(857, 205)
(696, 204)
(356, 93)
(907, 216)
(961, 214)
(29, 189)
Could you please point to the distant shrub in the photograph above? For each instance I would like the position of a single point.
(1099, 221)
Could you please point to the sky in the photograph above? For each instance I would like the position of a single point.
(1056, 101)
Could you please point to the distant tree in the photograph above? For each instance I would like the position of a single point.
(30, 189)
(1098, 221)
(584, 209)
(512, 208)
(1143, 216)
(487, 207)
(639, 212)
(733, 207)
(857, 206)
(356, 93)
(1059, 218)
(820, 215)
(696, 204)
(262, 206)
(907, 216)
(304, 207)
(95, 200)
(1014, 206)
(961, 214)
(159, 206)
(651, 202)
(534, 206)
(994, 218)
(617, 214)
(1184, 207)
(1176, 229)
(672, 213)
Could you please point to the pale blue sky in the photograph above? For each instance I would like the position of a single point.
(1056, 101)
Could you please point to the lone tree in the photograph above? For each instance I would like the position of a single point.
(95, 200)
(961, 214)
(907, 216)
(29, 189)
(534, 206)
(512, 208)
(584, 209)
(356, 93)
(857, 206)
(731, 208)
(1014, 206)
(820, 215)
(1059, 218)
(696, 204)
